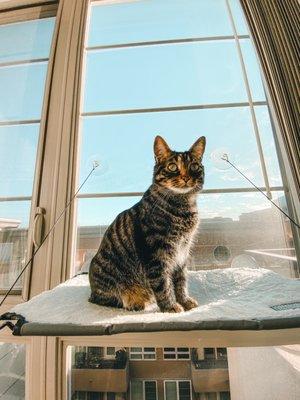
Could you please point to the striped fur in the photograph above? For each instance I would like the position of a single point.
(144, 252)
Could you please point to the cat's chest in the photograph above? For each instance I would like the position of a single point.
(183, 243)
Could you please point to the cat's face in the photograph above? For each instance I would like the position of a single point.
(181, 172)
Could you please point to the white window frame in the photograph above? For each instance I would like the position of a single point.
(177, 387)
(144, 392)
(142, 353)
(176, 352)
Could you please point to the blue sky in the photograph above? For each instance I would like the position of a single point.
(206, 72)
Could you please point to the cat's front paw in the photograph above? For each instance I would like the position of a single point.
(173, 308)
(189, 303)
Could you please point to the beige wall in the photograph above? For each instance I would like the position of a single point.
(265, 373)
(210, 380)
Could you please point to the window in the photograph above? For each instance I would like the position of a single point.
(142, 353)
(24, 54)
(12, 367)
(177, 390)
(143, 390)
(110, 352)
(211, 353)
(218, 93)
(176, 353)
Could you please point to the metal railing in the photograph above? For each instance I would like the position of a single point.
(84, 361)
(211, 364)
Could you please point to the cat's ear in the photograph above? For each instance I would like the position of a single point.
(161, 149)
(198, 147)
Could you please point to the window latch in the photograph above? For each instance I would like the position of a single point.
(38, 226)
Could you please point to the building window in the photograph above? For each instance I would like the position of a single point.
(143, 390)
(110, 352)
(176, 353)
(142, 353)
(211, 353)
(177, 390)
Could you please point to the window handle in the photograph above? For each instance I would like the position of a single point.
(38, 226)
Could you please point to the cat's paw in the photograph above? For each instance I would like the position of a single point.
(173, 308)
(189, 303)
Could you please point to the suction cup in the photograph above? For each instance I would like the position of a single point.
(97, 162)
(219, 158)
(244, 261)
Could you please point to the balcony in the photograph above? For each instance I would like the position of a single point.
(100, 375)
(210, 375)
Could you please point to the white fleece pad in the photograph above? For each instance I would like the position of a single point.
(233, 298)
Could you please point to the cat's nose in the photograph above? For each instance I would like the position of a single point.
(186, 178)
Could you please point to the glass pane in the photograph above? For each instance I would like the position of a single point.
(163, 76)
(12, 371)
(253, 72)
(244, 223)
(268, 143)
(224, 396)
(149, 356)
(150, 390)
(122, 171)
(171, 390)
(182, 356)
(136, 389)
(239, 19)
(251, 229)
(209, 353)
(23, 86)
(153, 20)
(184, 391)
(186, 349)
(27, 40)
(149, 349)
(17, 161)
(136, 349)
(168, 356)
(14, 218)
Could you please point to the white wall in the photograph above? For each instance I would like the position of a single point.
(264, 373)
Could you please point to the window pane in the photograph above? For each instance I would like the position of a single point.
(23, 86)
(136, 390)
(150, 390)
(224, 128)
(183, 356)
(110, 351)
(17, 161)
(268, 143)
(253, 72)
(247, 224)
(149, 349)
(163, 76)
(184, 391)
(12, 371)
(186, 349)
(209, 353)
(27, 40)
(224, 395)
(171, 390)
(239, 18)
(149, 356)
(136, 349)
(169, 356)
(156, 20)
(14, 218)
(169, 348)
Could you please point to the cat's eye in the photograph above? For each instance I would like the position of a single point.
(172, 167)
(195, 167)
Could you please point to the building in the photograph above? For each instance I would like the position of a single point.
(148, 373)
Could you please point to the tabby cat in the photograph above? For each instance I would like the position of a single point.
(144, 252)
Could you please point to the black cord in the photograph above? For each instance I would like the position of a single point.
(225, 158)
(95, 165)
